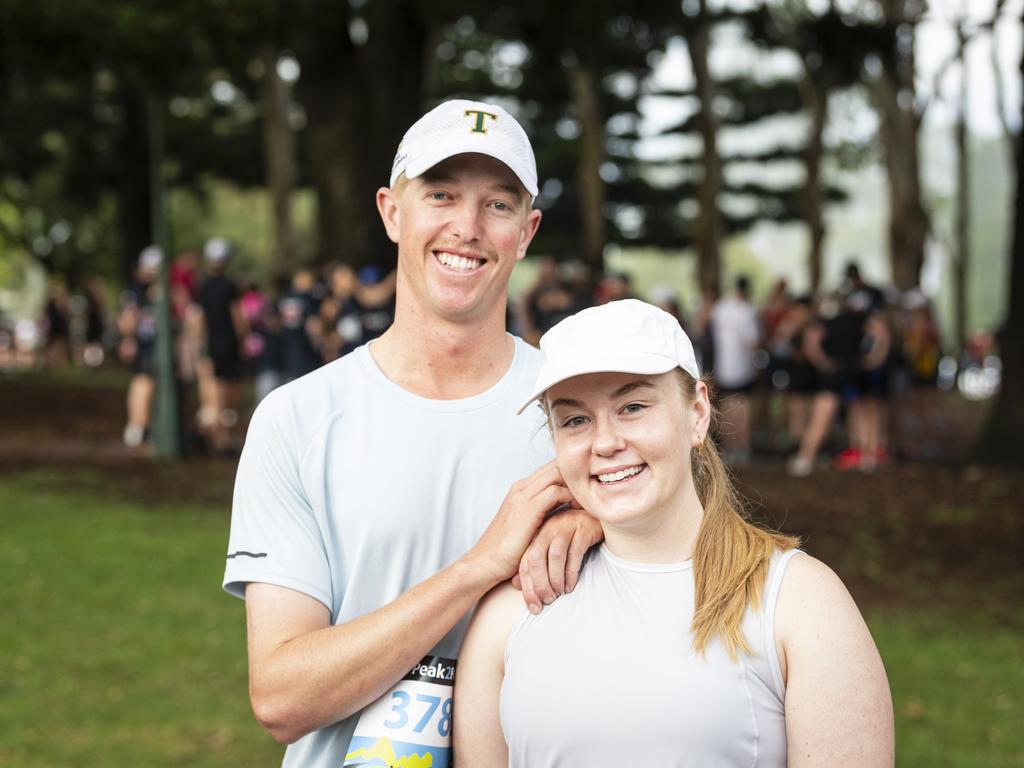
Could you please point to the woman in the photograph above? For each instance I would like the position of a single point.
(693, 638)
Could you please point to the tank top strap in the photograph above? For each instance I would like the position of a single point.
(773, 583)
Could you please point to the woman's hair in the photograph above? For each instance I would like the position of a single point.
(732, 554)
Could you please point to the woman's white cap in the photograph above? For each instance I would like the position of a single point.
(627, 336)
(458, 126)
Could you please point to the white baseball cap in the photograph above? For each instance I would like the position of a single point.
(217, 250)
(150, 257)
(628, 336)
(459, 126)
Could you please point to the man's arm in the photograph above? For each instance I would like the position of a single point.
(838, 705)
(305, 674)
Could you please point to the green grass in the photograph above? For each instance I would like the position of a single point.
(958, 688)
(119, 648)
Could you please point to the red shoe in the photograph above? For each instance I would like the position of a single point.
(848, 459)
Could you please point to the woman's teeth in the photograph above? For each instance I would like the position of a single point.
(622, 474)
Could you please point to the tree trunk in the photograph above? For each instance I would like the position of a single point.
(815, 96)
(894, 95)
(1002, 441)
(963, 203)
(591, 186)
(133, 188)
(279, 154)
(359, 100)
(709, 226)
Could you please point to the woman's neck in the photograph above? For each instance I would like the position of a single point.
(666, 538)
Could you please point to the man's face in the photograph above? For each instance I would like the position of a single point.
(460, 228)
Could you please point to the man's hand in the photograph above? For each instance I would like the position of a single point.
(528, 502)
(551, 565)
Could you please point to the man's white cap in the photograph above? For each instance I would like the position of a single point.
(217, 250)
(459, 126)
(150, 257)
(628, 336)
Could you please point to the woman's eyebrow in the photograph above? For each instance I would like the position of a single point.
(627, 388)
(565, 401)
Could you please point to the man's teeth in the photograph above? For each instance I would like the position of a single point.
(458, 262)
(622, 474)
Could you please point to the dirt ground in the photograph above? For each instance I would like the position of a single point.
(911, 534)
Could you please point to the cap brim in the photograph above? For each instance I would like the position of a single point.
(497, 149)
(648, 365)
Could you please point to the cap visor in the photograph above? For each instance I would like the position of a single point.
(649, 365)
(495, 148)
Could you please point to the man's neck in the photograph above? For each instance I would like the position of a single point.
(444, 360)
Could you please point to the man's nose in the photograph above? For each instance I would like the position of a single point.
(467, 220)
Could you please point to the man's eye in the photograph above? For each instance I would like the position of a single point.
(499, 205)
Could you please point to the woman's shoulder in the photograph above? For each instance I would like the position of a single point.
(814, 606)
(496, 616)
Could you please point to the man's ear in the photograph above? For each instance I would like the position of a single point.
(529, 230)
(387, 206)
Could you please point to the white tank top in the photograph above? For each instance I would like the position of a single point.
(607, 676)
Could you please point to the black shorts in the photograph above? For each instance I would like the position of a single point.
(227, 363)
(145, 360)
(742, 389)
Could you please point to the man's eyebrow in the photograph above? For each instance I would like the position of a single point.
(436, 176)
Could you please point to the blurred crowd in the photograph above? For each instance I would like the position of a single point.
(815, 379)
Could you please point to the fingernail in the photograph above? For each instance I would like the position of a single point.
(534, 608)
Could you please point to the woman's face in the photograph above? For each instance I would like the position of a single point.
(623, 443)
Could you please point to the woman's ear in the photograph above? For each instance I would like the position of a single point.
(700, 412)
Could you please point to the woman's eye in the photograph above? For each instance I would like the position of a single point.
(574, 421)
(633, 408)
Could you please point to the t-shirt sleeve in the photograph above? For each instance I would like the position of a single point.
(275, 535)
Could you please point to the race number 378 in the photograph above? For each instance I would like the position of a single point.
(410, 726)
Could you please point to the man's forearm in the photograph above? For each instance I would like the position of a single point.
(323, 676)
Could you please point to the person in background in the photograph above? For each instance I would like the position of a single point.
(136, 325)
(340, 312)
(739, 649)
(736, 335)
(226, 327)
(375, 297)
(794, 374)
(299, 326)
(57, 324)
(868, 412)
(832, 343)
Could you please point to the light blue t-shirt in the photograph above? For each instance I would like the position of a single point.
(352, 490)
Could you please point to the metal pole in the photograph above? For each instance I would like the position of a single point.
(168, 438)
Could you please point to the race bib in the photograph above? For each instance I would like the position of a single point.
(410, 726)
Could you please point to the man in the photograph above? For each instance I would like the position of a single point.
(136, 324)
(360, 533)
(225, 327)
(736, 334)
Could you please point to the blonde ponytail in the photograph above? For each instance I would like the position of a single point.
(731, 556)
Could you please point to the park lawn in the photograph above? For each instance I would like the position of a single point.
(120, 649)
